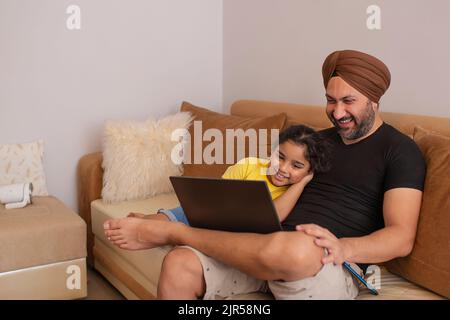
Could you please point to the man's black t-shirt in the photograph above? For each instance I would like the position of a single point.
(348, 200)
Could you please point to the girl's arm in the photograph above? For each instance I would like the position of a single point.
(286, 202)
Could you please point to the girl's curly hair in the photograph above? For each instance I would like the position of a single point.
(317, 148)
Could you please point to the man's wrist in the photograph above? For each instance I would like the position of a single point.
(346, 249)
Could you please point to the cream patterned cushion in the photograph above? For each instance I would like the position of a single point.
(20, 163)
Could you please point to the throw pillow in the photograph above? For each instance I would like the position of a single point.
(429, 263)
(207, 121)
(137, 157)
(21, 163)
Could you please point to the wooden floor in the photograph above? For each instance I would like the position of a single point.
(99, 288)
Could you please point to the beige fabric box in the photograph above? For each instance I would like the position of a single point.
(41, 246)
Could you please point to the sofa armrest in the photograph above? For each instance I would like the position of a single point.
(89, 185)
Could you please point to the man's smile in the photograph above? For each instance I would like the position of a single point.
(345, 122)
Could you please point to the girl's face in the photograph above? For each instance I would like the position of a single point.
(288, 164)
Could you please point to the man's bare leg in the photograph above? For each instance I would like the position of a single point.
(181, 276)
(287, 256)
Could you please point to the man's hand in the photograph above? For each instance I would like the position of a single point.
(337, 250)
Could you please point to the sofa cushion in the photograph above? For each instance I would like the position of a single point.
(41, 233)
(146, 262)
(214, 120)
(392, 287)
(429, 263)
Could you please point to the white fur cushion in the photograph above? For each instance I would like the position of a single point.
(137, 157)
(20, 163)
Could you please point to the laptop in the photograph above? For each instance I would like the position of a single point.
(234, 205)
(226, 204)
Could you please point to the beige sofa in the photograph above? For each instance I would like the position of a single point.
(135, 273)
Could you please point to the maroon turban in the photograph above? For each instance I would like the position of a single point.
(363, 72)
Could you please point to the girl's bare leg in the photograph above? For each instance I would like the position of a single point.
(157, 216)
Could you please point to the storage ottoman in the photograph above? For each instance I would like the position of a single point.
(42, 252)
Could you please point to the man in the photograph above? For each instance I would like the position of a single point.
(365, 210)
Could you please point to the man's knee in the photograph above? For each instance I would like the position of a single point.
(181, 270)
(182, 260)
(295, 255)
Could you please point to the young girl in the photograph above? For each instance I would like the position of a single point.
(301, 152)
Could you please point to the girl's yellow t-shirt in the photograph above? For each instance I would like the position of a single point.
(253, 169)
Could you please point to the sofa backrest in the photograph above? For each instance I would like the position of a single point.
(315, 116)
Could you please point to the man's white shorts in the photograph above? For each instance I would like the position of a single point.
(333, 282)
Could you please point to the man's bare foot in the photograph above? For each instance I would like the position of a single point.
(136, 233)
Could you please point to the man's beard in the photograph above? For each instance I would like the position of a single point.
(362, 125)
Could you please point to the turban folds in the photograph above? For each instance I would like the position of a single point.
(365, 73)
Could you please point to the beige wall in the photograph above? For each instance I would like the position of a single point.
(130, 60)
(274, 49)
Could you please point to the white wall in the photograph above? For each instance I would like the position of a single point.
(130, 60)
(133, 59)
(274, 49)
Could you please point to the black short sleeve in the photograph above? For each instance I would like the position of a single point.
(406, 166)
